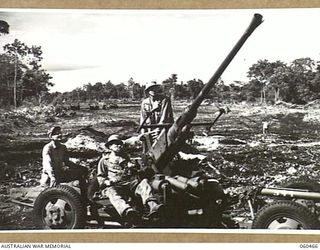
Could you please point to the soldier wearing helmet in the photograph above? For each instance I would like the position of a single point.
(117, 177)
(57, 168)
(156, 108)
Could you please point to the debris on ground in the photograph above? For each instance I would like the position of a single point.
(85, 143)
(235, 152)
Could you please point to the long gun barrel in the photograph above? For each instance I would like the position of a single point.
(167, 145)
(291, 193)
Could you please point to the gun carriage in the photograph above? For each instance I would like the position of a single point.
(191, 198)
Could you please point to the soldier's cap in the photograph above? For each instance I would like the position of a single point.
(113, 139)
(53, 130)
(151, 85)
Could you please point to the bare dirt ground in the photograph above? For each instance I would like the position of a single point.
(241, 157)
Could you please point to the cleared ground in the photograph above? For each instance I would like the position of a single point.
(241, 157)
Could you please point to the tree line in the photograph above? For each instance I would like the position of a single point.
(297, 82)
(22, 78)
(131, 90)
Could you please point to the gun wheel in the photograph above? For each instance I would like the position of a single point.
(59, 207)
(285, 215)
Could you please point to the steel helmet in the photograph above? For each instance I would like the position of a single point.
(151, 85)
(113, 139)
(53, 130)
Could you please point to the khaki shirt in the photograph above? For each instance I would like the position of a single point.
(164, 115)
(54, 158)
(114, 169)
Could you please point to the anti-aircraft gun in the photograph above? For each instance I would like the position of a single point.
(194, 194)
(190, 200)
(172, 136)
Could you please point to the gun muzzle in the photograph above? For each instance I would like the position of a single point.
(166, 147)
(255, 22)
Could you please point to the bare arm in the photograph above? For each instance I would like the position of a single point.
(47, 165)
(47, 162)
(143, 115)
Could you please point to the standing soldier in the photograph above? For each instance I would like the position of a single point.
(265, 127)
(155, 109)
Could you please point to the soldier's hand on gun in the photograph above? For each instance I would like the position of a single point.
(155, 133)
(108, 183)
(141, 136)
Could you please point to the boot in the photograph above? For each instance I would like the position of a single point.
(155, 210)
(131, 216)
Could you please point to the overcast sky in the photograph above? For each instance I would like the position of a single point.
(81, 46)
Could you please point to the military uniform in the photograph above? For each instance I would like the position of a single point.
(164, 114)
(115, 176)
(56, 164)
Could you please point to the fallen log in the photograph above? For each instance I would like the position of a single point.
(22, 203)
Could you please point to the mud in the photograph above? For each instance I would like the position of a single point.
(239, 155)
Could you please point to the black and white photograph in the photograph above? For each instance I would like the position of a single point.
(160, 119)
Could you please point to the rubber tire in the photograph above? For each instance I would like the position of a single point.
(288, 209)
(66, 193)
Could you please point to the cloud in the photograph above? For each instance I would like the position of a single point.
(68, 67)
(81, 46)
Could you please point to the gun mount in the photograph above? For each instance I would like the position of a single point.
(171, 138)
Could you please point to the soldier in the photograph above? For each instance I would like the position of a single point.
(265, 127)
(57, 168)
(116, 176)
(155, 109)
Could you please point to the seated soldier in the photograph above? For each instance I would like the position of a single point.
(57, 168)
(116, 179)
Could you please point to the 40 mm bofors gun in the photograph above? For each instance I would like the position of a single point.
(192, 199)
(171, 138)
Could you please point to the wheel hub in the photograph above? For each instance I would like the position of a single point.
(55, 213)
(284, 223)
